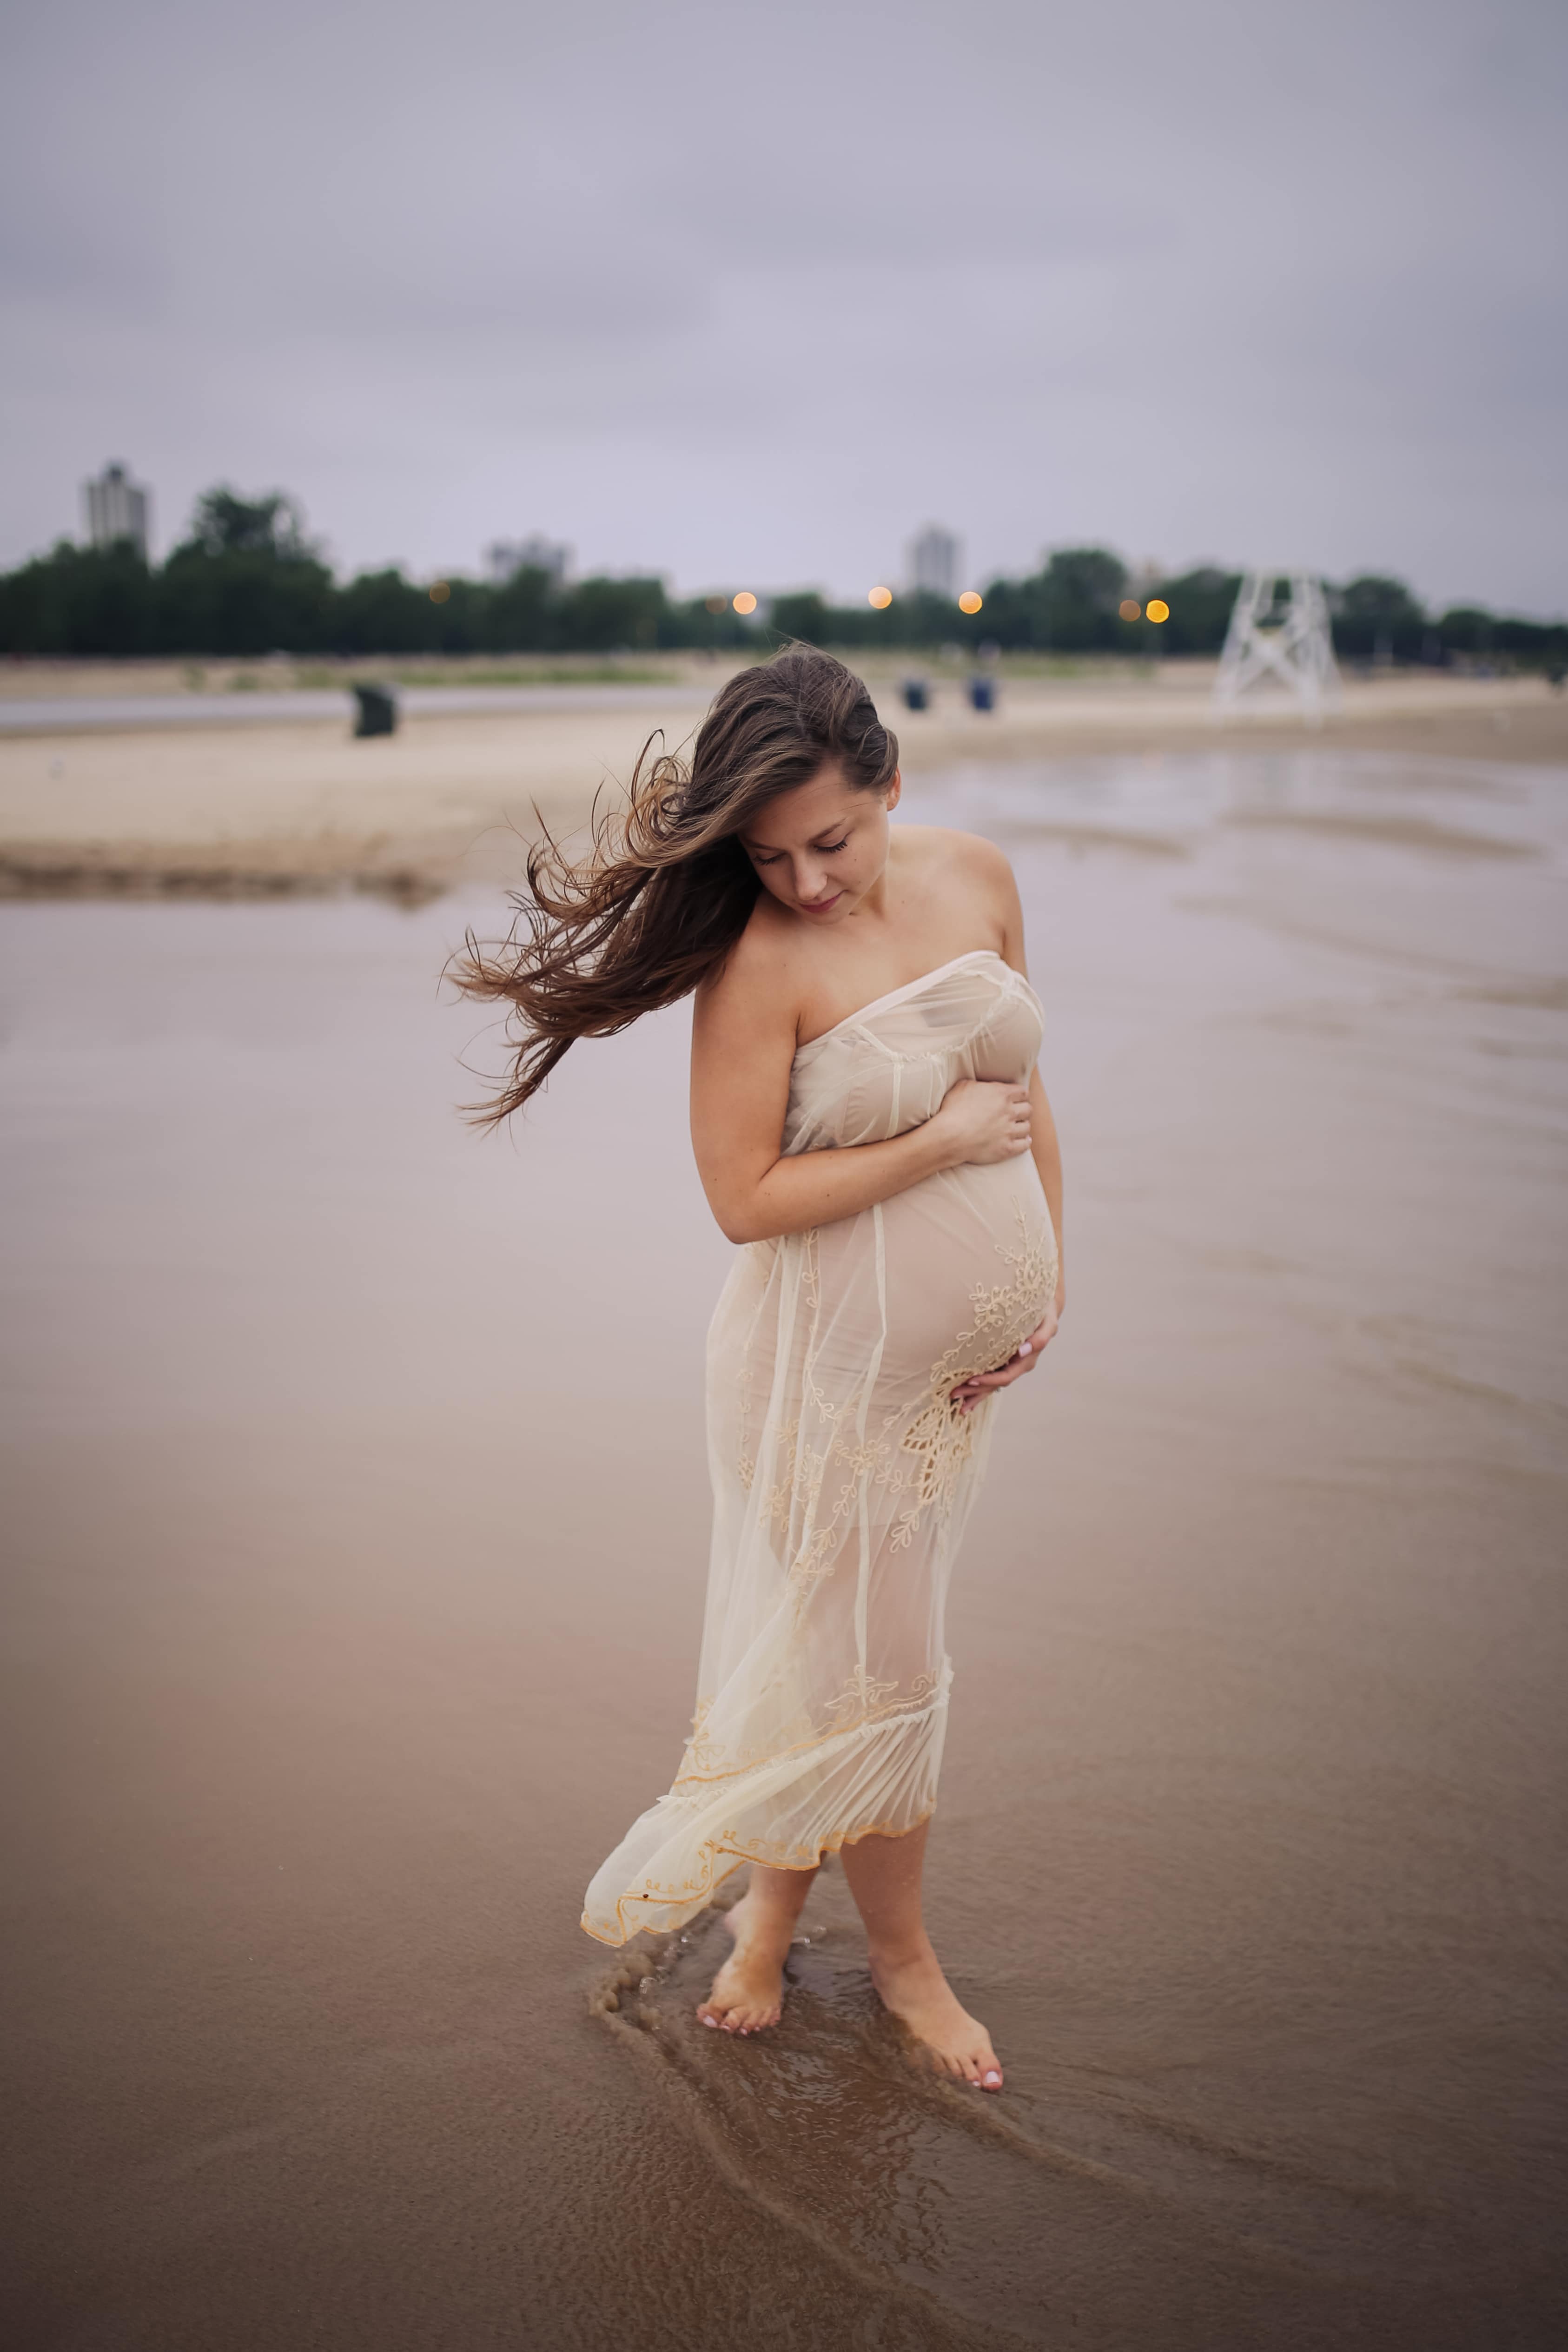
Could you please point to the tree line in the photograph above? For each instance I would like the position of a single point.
(247, 582)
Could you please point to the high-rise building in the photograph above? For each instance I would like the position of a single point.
(503, 557)
(116, 508)
(935, 559)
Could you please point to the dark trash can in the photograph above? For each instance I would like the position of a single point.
(983, 693)
(377, 710)
(917, 694)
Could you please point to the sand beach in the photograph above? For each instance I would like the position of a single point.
(227, 794)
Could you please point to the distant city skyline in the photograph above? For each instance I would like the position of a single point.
(1053, 278)
(115, 508)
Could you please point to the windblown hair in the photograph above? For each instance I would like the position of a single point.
(666, 889)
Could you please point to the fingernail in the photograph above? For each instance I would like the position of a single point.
(1027, 1348)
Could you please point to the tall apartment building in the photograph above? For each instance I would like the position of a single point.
(116, 507)
(935, 559)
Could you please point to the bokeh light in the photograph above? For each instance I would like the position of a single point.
(745, 601)
(968, 601)
(1128, 609)
(1157, 609)
(880, 597)
(439, 591)
(715, 603)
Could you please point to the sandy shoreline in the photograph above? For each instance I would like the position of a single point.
(282, 807)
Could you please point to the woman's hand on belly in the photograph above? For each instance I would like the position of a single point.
(968, 1393)
(982, 1120)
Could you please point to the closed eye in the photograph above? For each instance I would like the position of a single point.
(825, 849)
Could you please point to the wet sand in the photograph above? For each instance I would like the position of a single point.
(358, 1512)
(268, 805)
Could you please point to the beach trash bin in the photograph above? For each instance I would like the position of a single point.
(377, 713)
(983, 693)
(917, 695)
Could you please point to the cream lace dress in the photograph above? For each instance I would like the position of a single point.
(842, 1477)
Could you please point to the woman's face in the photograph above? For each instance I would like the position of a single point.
(819, 849)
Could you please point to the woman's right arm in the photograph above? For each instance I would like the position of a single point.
(742, 1049)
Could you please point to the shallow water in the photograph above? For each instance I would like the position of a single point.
(358, 1511)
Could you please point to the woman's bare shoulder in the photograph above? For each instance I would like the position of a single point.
(759, 974)
(942, 848)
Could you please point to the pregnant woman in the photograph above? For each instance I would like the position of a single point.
(870, 1129)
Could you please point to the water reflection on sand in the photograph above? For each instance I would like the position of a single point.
(356, 1477)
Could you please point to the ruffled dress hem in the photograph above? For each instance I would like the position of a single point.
(692, 1841)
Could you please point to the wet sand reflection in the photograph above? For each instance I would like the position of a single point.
(355, 1484)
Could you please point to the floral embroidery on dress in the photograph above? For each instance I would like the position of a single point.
(940, 1437)
(864, 1700)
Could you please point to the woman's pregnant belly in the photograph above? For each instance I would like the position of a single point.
(969, 1269)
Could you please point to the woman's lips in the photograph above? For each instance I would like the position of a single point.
(820, 906)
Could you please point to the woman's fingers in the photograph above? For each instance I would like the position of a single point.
(969, 1392)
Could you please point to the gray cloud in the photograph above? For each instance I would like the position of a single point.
(748, 295)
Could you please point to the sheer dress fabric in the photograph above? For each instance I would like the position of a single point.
(842, 1476)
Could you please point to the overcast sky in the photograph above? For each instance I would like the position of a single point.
(746, 294)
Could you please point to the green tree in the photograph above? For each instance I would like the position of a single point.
(79, 600)
(245, 581)
(697, 626)
(806, 614)
(1377, 617)
(1201, 602)
(603, 615)
(523, 615)
(223, 523)
(383, 612)
(1068, 606)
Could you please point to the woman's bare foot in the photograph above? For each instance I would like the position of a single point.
(914, 1988)
(748, 1991)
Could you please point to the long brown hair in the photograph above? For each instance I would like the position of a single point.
(665, 891)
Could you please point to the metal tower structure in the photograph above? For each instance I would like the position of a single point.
(1292, 647)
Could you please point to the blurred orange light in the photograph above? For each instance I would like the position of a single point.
(1128, 609)
(745, 601)
(1158, 609)
(880, 597)
(440, 591)
(968, 601)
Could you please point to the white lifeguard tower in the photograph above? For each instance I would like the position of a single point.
(1280, 641)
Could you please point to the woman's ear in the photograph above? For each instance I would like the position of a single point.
(890, 801)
